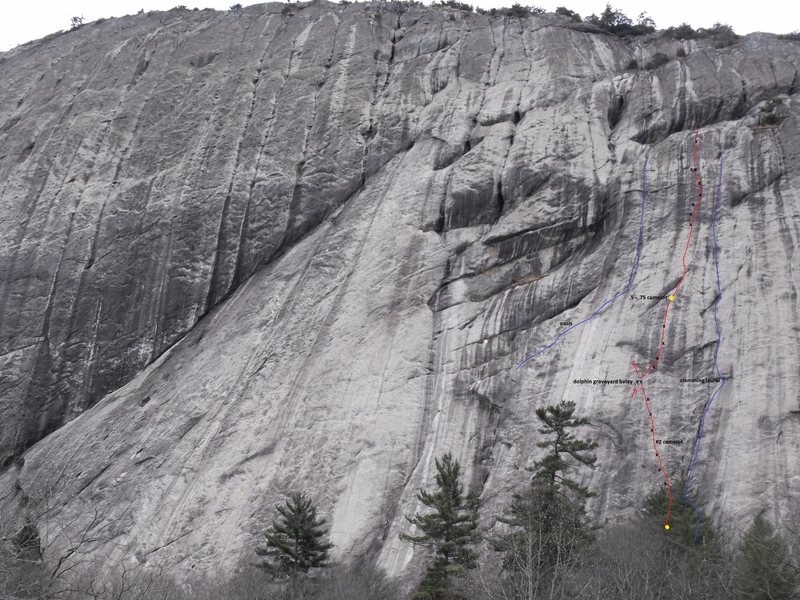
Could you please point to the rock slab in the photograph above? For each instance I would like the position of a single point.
(307, 247)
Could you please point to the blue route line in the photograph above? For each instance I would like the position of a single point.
(610, 300)
(716, 366)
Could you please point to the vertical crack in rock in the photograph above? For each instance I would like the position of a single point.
(257, 168)
(241, 271)
(516, 118)
(296, 226)
(377, 93)
(41, 414)
(216, 291)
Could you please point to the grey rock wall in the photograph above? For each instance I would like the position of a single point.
(308, 248)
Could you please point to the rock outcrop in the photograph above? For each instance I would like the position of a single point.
(306, 247)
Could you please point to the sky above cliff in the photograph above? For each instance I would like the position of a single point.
(32, 19)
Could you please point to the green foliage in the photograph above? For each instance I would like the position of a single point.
(644, 24)
(723, 35)
(454, 4)
(451, 529)
(76, 22)
(517, 11)
(681, 52)
(548, 522)
(237, 8)
(696, 567)
(614, 20)
(571, 15)
(633, 64)
(27, 542)
(683, 31)
(617, 22)
(765, 571)
(295, 542)
(657, 60)
(558, 420)
(794, 35)
(435, 584)
(682, 524)
(635, 560)
(548, 529)
(720, 29)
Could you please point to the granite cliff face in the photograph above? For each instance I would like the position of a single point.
(307, 247)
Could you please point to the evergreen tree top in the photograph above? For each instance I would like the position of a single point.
(450, 528)
(295, 541)
(557, 421)
(766, 569)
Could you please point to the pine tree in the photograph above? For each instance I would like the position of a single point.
(450, 529)
(548, 519)
(558, 420)
(295, 542)
(693, 561)
(765, 570)
(684, 533)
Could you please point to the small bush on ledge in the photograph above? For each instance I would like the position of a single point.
(617, 22)
(454, 4)
(682, 32)
(516, 10)
(658, 59)
(571, 15)
(722, 35)
(770, 119)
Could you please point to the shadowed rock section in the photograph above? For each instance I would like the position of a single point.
(305, 249)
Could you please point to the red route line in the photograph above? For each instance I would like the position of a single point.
(655, 446)
(674, 294)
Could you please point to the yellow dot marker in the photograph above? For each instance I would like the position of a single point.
(671, 298)
(666, 526)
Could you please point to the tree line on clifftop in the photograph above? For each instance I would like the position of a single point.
(611, 20)
(545, 545)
